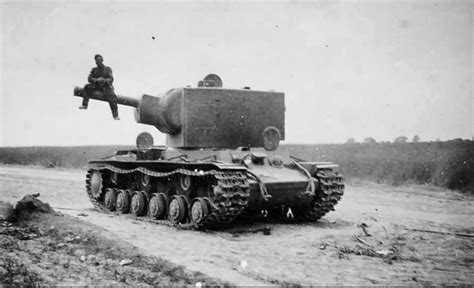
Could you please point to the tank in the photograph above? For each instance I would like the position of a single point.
(220, 161)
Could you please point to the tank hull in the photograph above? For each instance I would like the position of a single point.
(207, 188)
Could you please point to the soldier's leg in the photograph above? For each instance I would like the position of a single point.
(110, 95)
(88, 89)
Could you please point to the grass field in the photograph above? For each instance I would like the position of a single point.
(446, 164)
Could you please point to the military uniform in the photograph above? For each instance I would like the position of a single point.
(103, 85)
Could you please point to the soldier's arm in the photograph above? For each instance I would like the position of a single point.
(110, 78)
(91, 78)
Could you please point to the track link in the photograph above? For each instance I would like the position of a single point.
(232, 193)
(328, 193)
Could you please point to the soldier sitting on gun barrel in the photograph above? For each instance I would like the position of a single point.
(101, 79)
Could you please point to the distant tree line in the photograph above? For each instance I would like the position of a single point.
(399, 139)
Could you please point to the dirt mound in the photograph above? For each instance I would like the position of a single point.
(30, 205)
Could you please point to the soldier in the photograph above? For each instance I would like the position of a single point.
(101, 79)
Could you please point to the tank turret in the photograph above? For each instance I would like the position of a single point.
(211, 116)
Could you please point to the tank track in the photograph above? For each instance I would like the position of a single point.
(328, 193)
(231, 194)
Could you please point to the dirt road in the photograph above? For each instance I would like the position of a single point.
(322, 253)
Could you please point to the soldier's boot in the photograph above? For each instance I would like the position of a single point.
(85, 102)
(113, 107)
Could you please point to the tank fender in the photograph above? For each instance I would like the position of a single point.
(311, 188)
(224, 166)
(150, 165)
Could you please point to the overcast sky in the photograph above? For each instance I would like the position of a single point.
(348, 69)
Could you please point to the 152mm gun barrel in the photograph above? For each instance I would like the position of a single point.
(97, 95)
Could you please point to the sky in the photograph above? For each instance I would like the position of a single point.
(357, 69)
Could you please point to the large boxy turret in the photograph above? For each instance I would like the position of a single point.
(210, 116)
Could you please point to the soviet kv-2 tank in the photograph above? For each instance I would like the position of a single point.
(220, 161)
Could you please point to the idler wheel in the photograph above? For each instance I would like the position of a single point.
(123, 201)
(199, 211)
(96, 184)
(177, 209)
(156, 206)
(110, 198)
(138, 204)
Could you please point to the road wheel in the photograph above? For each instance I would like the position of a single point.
(156, 206)
(177, 209)
(123, 201)
(110, 199)
(199, 211)
(138, 204)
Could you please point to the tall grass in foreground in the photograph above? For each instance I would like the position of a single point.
(446, 164)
